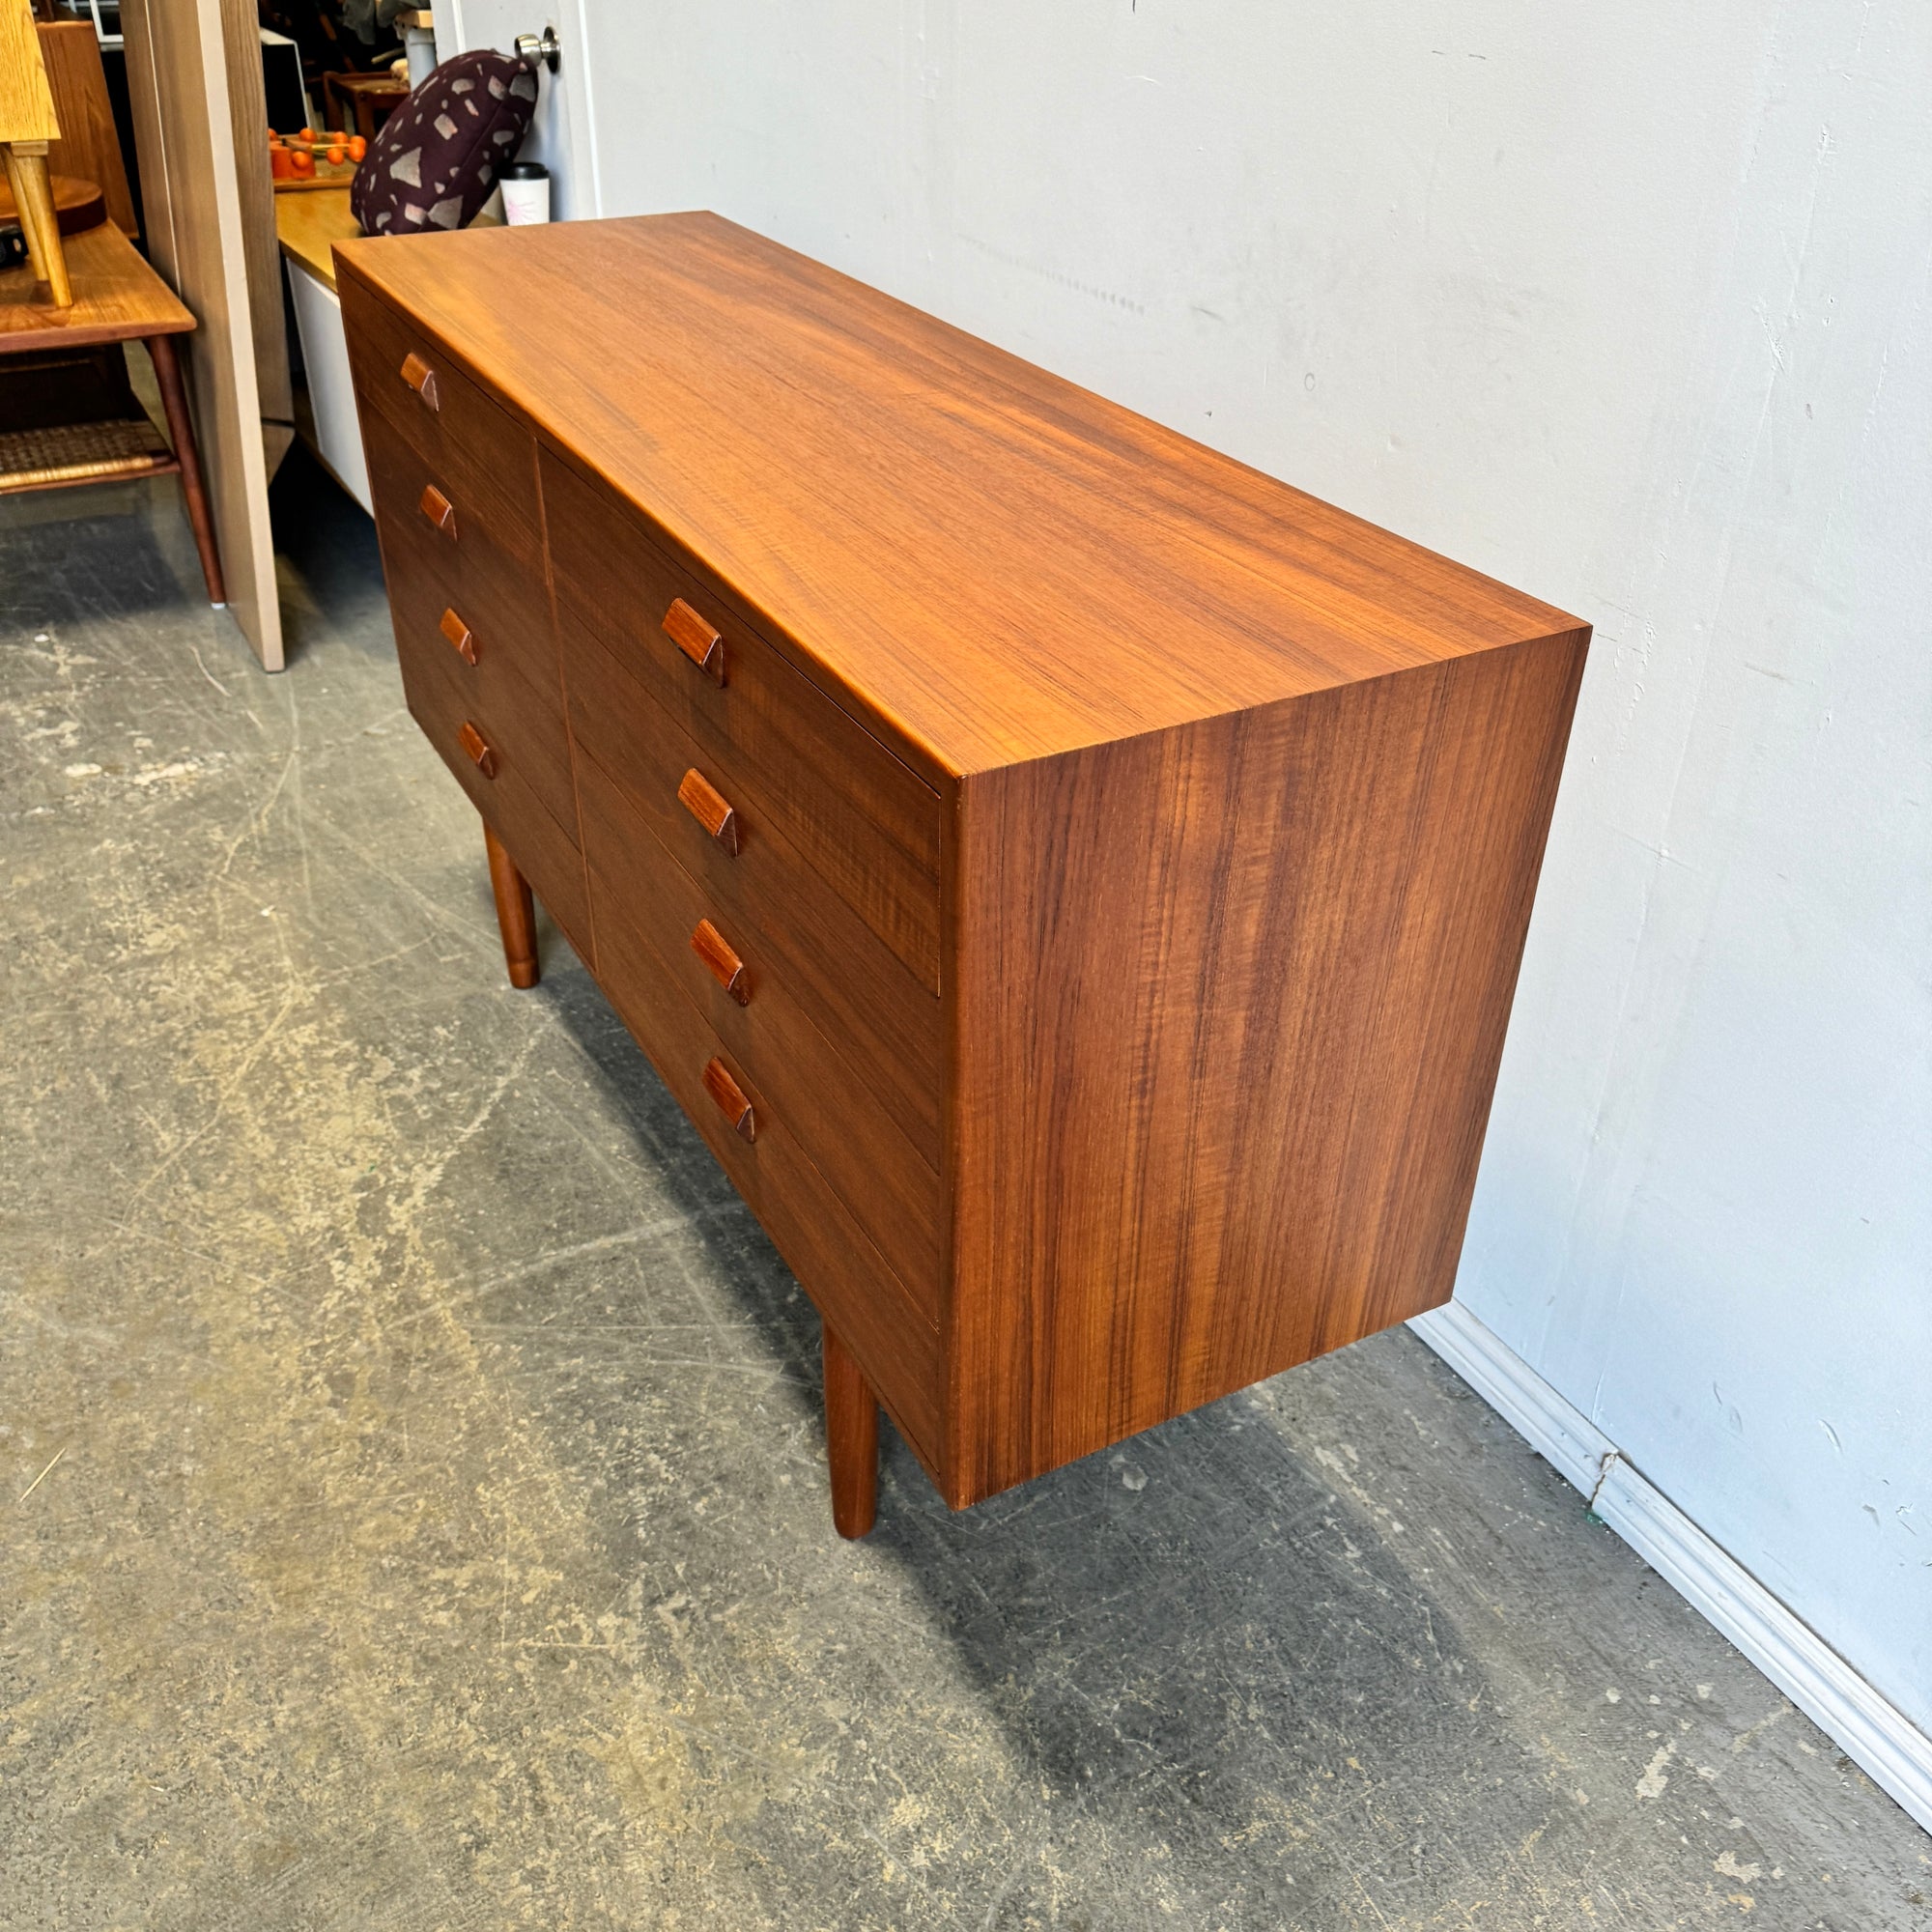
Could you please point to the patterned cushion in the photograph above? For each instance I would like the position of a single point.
(436, 159)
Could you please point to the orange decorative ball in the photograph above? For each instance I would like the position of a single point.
(302, 161)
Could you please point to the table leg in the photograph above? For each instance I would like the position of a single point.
(851, 1439)
(516, 913)
(180, 433)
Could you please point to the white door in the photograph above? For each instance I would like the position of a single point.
(563, 135)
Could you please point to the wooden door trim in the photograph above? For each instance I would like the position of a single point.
(185, 132)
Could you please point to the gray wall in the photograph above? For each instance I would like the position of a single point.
(1629, 306)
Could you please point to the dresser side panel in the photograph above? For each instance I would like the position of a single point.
(1230, 1003)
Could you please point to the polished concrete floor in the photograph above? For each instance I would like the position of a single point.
(414, 1509)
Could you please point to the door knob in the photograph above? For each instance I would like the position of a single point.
(534, 47)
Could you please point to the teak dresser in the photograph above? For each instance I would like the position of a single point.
(1074, 883)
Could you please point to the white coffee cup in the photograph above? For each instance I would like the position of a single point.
(525, 186)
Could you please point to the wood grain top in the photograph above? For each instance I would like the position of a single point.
(116, 296)
(308, 227)
(998, 565)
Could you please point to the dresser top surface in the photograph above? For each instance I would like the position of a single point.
(999, 564)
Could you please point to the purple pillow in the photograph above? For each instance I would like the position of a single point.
(435, 160)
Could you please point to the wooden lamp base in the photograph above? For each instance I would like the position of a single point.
(79, 205)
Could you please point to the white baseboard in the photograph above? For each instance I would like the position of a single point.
(1869, 1729)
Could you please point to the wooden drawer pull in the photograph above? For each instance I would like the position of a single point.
(480, 754)
(711, 809)
(731, 1099)
(721, 962)
(439, 509)
(422, 378)
(695, 639)
(462, 638)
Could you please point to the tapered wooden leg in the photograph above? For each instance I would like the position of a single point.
(34, 202)
(180, 433)
(851, 1440)
(21, 212)
(516, 913)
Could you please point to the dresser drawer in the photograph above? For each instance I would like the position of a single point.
(526, 716)
(858, 992)
(845, 803)
(491, 766)
(479, 453)
(500, 664)
(894, 1333)
(499, 595)
(832, 1107)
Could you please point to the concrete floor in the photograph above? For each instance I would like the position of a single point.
(411, 1506)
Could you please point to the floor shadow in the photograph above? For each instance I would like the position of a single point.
(1193, 1630)
(697, 1186)
(329, 569)
(124, 550)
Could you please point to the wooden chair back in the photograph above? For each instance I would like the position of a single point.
(88, 147)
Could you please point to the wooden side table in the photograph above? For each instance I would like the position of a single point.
(369, 96)
(117, 298)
